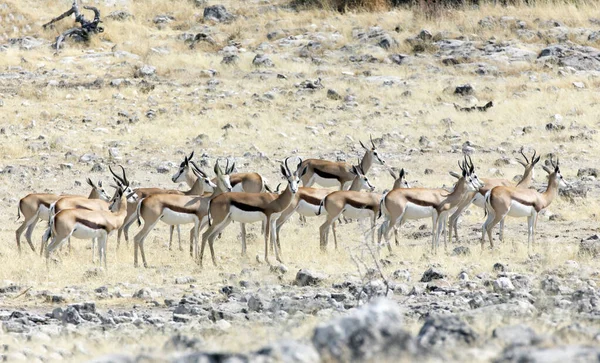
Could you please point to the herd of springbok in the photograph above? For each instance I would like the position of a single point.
(245, 198)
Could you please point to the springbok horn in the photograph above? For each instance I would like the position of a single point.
(525, 157)
(372, 143)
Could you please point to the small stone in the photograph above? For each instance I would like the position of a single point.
(464, 90)
(217, 13)
(261, 60)
(503, 284)
(146, 71)
(579, 85)
(230, 59)
(71, 316)
(333, 95)
(432, 274)
(461, 251)
(308, 278)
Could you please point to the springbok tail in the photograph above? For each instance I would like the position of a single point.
(209, 216)
(137, 212)
(267, 188)
(382, 204)
(488, 202)
(321, 206)
(19, 211)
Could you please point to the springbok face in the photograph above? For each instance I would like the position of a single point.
(373, 151)
(207, 184)
(123, 186)
(223, 179)
(529, 165)
(556, 173)
(184, 168)
(472, 182)
(99, 189)
(293, 179)
(364, 181)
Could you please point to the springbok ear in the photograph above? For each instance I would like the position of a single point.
(454, 174)
(363, 145)
(90, 182)
(536, 160)
(546, 169)
(303, 172)
(402, 173)
(355, 170)
(284, 171)
(464, 173)
(217, 169)
(392, 174)
(100, 183)
(522, 163)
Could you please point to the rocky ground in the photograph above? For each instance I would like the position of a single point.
(260, 81)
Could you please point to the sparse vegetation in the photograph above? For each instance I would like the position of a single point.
(91, 98)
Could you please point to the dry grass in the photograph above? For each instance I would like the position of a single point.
(278, 127)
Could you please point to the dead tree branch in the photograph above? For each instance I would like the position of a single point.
(86, 28)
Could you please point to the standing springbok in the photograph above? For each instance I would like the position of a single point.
(399, 182)
(240, 182)
(352, 203)
(517, 202)
(478, 197)
(176, 209)
(78, 202)
(417, 203)
(89, 224)
(198, 188)
(337, 174)
(249, 208)
(36, 206)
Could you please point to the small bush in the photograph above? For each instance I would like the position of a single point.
(345, 5)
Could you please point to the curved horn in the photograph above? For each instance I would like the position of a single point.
(471, 167)
(525, 157)
(299, 164)
(461, 166)
(115, 175)
(372, 143)
(286, 165)
(197, 169)
(533, 157)
(227, 167)
(126, 182)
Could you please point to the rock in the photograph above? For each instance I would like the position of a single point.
(119, 15)
(163, 19)
(464, 90)
(184, 280)
(461, 251)
(333, 95)
(261, 60)
(399, 59)
(256, 303)
(14, 327)
(146, 71)
(144, 294)
(499, 267)
(445, 331)
(516, 335)
(579, 85)
(587, 172)
(575, 190)
(581, 58)
(180, 342)
(503, 285)
(402, 275)
(550, 285)
(590, 246)
(308, 278)
(376, 36)
(217, 13)
(71, 316)
(365, 334)
(425, 35)
(288, 351)
(565, 353)
(230, 59)
(432, 274)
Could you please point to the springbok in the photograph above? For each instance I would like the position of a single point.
(240, 182)
(416, 203)
(79, 202)
(399, 182)
(198, 188)
(249, 208)
(518, 202)
(89, 224)
(307, 201)
(352, 203)
(478, 197)
(36, 206)
(176, 209)
(337, 174)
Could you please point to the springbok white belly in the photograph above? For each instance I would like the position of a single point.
(242, 216)
(479, 200)
(82, 231)
(173, 218)
(43, 213)
(309, 210)
(357, 213)
(520, 210)
(414, 211)
(324, 182)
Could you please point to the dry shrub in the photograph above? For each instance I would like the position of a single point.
(345, 5)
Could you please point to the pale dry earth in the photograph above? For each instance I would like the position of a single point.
(144, 94)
